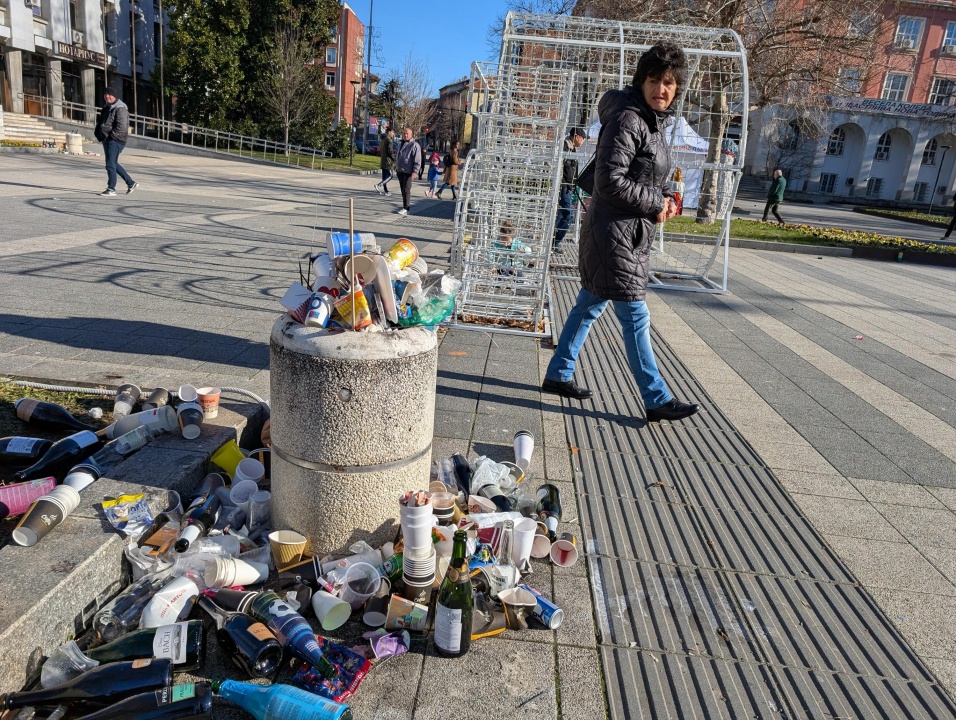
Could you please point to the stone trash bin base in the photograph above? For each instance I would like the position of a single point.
(352, 425)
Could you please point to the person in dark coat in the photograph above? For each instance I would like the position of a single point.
(632, 165)
(569, 172)
(775, 196)
(387, 148)
(112, 129)
(952, 223)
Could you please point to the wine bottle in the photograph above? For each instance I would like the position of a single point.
(246, 641)
(456, 601)
(62, 456)
(198, 521)
(280, 702)
(179, 702)
(122, 613)
(47, 413)
(290, 628)
(19, 452)
(183, 643)
(98, 687)
(549, 508)
(158, 420)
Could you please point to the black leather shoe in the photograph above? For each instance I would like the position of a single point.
(566, 389)
(674, 410)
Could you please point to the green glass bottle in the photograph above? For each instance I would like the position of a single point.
(183, 643)
(456, 601)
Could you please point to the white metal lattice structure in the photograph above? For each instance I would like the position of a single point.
(601, 55)
(504, 220)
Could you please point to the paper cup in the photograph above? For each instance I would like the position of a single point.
(419, 567)
(322, 265)
(339, 243)
(418, 591)
(443, 506)
(227, 572)
(190, 420)
(157, 399)
(518, 604)
(524, 533)
(127, 396)
(540, 546)
(333, 612)
(209, 401)
(249, 469)
(564, 552)
(45, 514)
(361, 582)
(376, 607)
(478, 504)
(287, 547)
(524, 447)
(187, 393)
(405, 615)
(228, 456)
(240, 492)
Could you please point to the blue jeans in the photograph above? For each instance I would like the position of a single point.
(454, 189)
(112, 151)
(563, 221)
(636, 323)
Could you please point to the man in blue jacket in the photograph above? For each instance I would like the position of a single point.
(112, 129)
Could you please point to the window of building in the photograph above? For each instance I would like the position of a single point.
(330, 80)
(849, 81)
(883, 146)
(827, 182)
(894, 87)
(908, 31)
(862, 24)
(943, 91)
(874, 188)
(330, 56)
(157, 39)
(37, 8)
(110, 28)
(73, 15)
(836, 143)
(929, 153)
(919, 192)
(949, 39)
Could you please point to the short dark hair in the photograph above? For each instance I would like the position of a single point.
(577, 131)
(658, 60)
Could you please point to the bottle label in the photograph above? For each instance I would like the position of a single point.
(170, 642)
(552, 524)
(260, 632)
(174, 694)
(137, 664)
(295, 704)
(25, 408)
(21, 445)
(448, 628)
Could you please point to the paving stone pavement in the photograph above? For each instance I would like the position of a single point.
(790, 552)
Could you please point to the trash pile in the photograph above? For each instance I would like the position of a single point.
(358, 287)
(213, 565)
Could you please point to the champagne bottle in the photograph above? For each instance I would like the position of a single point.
(280, 702)
(62, 456)
(549, 508)
(198, 521)
(122, 613)
(47, 413)
(290, 628)
(247, 642)
(184, 643)
(19, 452)
(98, 687)
(179, 702)
(456, 601)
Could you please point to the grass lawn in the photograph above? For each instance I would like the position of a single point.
(359, 162)
(923, 218)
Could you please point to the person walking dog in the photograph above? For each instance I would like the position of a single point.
(112, 129)
(775, 196)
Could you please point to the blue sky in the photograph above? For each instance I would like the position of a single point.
(447, 34)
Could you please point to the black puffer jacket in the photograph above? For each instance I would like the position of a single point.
(631, 166)
(113, 123)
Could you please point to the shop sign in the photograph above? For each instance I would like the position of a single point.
(82, 54)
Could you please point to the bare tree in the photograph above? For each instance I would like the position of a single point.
(412, 107)
(290, 81)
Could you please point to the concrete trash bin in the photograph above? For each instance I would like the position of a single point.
(352, 425)
(74, 143)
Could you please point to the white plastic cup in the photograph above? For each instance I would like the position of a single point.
(241, 492)
(333, 612)
(524, 447)
(249, 469)
(361, 582)
(524, 534)
(418, 535)
(228, 572)
(259, 511)
(322, 265)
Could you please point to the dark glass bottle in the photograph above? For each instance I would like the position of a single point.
(456, 602)
(47, 413)
(20, 452)
(246, 641)
(62, 456)
(183, 643)
(98, 687)
(198, 521)
(549, 508)
(179, 702)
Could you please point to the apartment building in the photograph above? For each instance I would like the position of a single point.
(69, 50)
(344, 64)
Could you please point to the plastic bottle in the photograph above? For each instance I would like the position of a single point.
(158, 420)
(280, 702)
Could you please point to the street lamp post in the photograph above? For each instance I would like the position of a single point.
(932, 197)
(355, 85)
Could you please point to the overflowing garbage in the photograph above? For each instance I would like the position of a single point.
(458, 571)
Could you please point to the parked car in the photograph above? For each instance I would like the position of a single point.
(374, 147)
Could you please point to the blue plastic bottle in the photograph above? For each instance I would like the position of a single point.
(280, 702)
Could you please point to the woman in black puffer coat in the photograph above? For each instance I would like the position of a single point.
(631, 166)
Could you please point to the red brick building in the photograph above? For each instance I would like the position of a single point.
(344, 64)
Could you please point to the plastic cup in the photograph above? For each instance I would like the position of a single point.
(518, 604)
(249, 469)
(564, 552)
(418, 536)
(45, 514)
(263, 455)
(187, 393)
(190, 420)
(524, 447)
(287, 547)
(339, 243)
(322, 265)
(524, 533)
(228, 456)
(16, 499)
(127, 396)
(376, 607)
(240, 493)
(157, 399)
(333, 612)
(209, 401)
(259, 510)
(361, 582)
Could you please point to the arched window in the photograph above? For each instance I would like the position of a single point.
(929, 153)
(883, 147)
(836, 143)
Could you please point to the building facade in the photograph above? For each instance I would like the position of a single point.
(891, 136)
(344, 64)
(67, 51)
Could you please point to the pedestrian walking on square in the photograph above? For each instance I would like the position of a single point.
(569, 172)
(387, 148)
(450, 179)
(775, 196)
(952, 223)
(112, 129)
(632, 165)
(408, 161)
(434, 172)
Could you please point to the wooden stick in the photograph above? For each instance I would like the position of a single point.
(352, 256)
